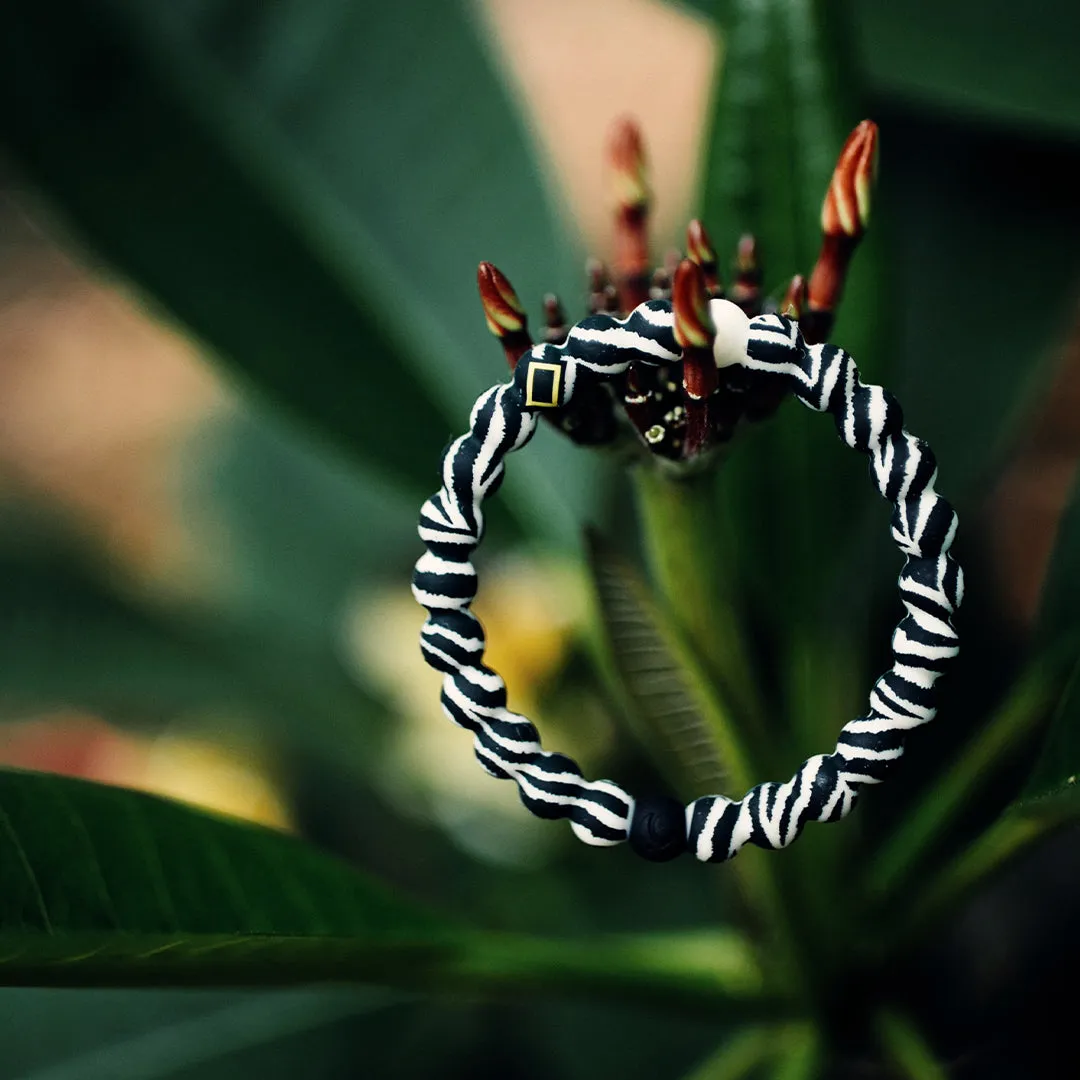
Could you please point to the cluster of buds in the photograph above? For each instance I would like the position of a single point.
(681, 413)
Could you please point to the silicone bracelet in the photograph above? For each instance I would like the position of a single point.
(825, 787)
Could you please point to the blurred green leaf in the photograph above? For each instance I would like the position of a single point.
(1000, 62)
(138, 154)
(309, 187)
(1040, 694)
(798, 1053)
(289, 533)
(117, 1035)
(775, 133)
(1058, 765)
(947, 224)
(779, 122)
(75, 638)
(592, 1039)
(740, 1055)
(1012, 835)
(317, 1033)
(100, 886)
(905, 1046)
(673, 709)
(71, 639)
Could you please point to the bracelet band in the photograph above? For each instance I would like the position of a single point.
(715, 828)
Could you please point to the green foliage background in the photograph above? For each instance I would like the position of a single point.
(306, 188)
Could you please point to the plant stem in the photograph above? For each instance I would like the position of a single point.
(681, 531)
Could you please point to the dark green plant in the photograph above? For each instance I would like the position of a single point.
(307, 188)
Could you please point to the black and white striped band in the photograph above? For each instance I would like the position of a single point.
(771, 815)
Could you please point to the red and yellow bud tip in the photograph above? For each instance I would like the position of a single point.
(844, 217)
(626, 154)
(846, 210)
(700, 250)
(502, 308)
(699, 247)
(693, 327)
(794, 302)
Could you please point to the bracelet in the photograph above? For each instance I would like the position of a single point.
(771, 815)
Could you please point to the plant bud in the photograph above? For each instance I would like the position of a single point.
(503, 310)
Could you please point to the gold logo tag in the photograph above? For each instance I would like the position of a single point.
(556, 376)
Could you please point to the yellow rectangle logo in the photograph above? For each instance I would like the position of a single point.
(530, 389)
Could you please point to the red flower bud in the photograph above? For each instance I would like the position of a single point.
(844, 217)
(690, 307)
(694, 331)
(626, 154)
(846, 209)
(504, 312)
(699, 249)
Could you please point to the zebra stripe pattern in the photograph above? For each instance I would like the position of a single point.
(714, 828)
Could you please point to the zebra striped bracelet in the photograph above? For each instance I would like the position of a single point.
(771, 815)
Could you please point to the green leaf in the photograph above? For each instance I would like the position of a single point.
(586, 1040)
(906, 1048)
(114, 1035)
(674, 711)
(792, 1049)
(739, 1056)
(287, 532)
(1039, 694)
(798, 1053)
(100, 886)
(965, 400)
(793, 500)
(86, 870)
(774, 135)
(308, 187)
(1016, 832)
(990, 62)
(1059, 763)
(125, 141)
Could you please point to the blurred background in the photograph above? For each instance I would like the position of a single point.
(206, 597)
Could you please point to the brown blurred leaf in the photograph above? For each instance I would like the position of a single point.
(1024, 511)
